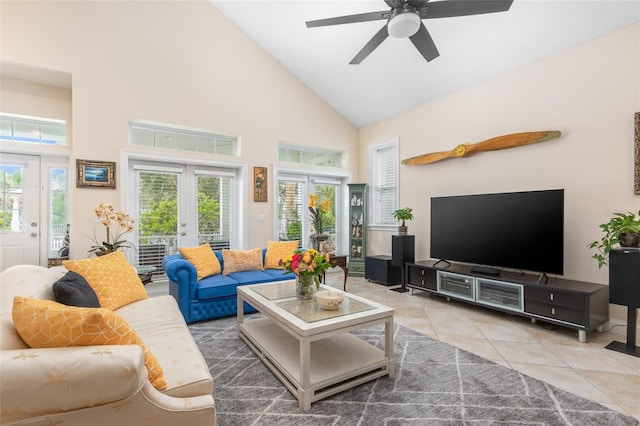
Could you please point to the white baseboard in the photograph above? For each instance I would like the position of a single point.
(619, 327)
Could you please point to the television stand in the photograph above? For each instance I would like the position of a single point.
(486, 270)
(576, 304)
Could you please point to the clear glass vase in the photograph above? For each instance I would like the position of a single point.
(305, 286)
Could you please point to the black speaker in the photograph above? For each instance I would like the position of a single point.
(624, 276)
(402, 249)
(624, 289)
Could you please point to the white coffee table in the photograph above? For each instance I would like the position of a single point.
(310, 349)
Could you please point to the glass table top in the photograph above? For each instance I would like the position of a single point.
(283, 294)
(278, 290)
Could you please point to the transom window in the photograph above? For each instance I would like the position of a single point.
(181, 140)
(33, 130)
(309, 156)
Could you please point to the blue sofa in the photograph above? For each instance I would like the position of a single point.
(213, 296)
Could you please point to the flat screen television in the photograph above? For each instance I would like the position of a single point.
(516, 230)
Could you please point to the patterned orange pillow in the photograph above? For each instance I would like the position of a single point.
(203, 258)
(277, 250)
(114, 280)
(48, 324)
(242, 260)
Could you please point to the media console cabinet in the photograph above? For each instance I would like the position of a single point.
(575, 304)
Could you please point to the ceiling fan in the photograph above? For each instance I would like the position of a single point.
(405, 20)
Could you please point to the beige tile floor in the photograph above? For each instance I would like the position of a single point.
(553, 355)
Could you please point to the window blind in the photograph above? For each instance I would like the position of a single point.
(213, 213)
(156, 214)
(385, 177)
(291, 209)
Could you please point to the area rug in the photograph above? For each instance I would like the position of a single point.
(435, 384)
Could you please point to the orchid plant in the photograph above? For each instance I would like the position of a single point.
(117, 224)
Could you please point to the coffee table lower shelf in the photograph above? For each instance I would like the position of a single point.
(337, 363)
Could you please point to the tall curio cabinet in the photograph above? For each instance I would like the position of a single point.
(357, 228)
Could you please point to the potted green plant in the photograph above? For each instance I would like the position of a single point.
(623, 229)
(403, 214)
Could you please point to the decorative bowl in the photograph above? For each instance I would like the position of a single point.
(329, 300)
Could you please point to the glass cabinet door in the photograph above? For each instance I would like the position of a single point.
(357, 228)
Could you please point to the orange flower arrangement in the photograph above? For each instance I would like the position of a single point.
(308, 263)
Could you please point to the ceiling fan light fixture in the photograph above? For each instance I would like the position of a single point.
(404, 25)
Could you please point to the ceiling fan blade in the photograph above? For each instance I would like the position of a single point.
(399, 4)
(350, 19)
(424, 43)
(375, 41)
(451, 8)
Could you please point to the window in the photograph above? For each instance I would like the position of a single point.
(11, 197)
(27, 129)
(384, 183)
(181, 140)
(58, 222)
(291, 208)
(213, 213)
(309, 156)
(156, 213)
(326, 189)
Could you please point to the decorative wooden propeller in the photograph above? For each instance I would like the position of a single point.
(500, 142)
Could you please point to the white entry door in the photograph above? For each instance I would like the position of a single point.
(20, 210)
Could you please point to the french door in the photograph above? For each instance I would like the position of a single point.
(293, 218)
(20, 221)
(181, 206)
(33, 208)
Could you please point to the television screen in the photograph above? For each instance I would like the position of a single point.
(517, 230)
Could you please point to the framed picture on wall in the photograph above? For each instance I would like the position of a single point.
(636, 187)
(260, 184)
(96, 174)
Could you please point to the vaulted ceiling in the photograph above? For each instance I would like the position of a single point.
(395, 77)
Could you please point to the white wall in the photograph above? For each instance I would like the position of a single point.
(35, 99)
(590, 93)
(176, 62)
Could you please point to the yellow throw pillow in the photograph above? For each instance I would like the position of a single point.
(277, 250)
(203, 258)
(114, 280)
(48, 324)
(242, 260)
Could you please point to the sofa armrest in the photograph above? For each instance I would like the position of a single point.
(38, 382)
(182, 272)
